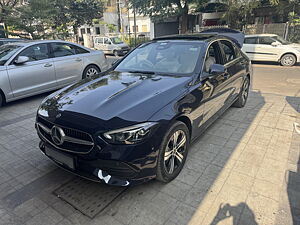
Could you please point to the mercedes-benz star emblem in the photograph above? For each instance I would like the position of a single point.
(57, 135)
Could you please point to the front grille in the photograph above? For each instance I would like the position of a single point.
(75, 141)
(125, 48)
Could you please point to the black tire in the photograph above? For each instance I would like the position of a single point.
(165, 158)
(2, 100)
(243, 95)
(90, 71)
(288, 60)
(116, 53)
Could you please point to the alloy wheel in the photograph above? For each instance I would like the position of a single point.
(288, 60)
(91, 71)
(174, 152)
(245, 90)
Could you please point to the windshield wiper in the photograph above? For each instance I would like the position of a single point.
(142, 72)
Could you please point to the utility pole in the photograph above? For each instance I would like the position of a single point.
(134, 23)
(119, 15)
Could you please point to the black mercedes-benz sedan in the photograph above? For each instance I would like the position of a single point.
(135, 122)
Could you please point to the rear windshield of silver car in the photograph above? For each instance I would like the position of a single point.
(6, 52)
(164, 57)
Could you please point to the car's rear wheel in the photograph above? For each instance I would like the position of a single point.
(243, 95)
(90, 71)
(288, 60)
(173, 152)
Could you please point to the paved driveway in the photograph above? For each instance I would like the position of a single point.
(243, 170)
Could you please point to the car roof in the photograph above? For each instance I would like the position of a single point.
(197, 36)
(32, 42)
(260, 35)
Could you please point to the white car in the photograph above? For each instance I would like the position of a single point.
(34, 67)
(271, 47)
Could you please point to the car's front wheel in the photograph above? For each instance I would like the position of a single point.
(90, 71)
(288, 60)
(2, 101)
(116, 53)
(173, 152)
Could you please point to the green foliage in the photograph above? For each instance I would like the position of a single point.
(53, 18)
(238, 12)
(159, 10)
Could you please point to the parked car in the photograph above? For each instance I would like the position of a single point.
(137, 120)
(30, 68)
(4, 41)
(271, 47)
(111, 45)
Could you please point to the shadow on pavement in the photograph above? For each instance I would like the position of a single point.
(227, 211)
(293, 180)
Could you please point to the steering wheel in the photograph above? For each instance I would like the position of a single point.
(146, 63)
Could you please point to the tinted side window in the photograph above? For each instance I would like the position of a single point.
(250, 40)
(228, 50)
(80, 50)
(36, 52)
(62, 49)
(212, 56)
(107, 41)
(266, 40)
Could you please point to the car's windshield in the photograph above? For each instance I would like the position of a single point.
(165, 57)
(116, 40)
(281, 40)
(7, 51)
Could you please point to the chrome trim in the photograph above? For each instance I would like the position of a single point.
(66, 138)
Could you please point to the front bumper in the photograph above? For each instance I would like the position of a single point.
(119, 165)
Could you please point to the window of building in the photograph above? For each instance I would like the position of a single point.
(144, 28)
(97, 30)
(82, 31)
(137, 28)
(88, 30)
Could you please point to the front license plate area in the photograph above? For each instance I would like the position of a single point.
(60, 158)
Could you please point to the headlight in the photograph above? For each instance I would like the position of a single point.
(130, 135)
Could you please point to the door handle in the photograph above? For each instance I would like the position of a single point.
(78, 60)
(48, 65)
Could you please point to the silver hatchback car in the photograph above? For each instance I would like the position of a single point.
(34, 67)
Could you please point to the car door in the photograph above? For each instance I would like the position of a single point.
(235, 66)
(212, 86)
(108, 47)
(99, 43)
(250, 48)
(265, 50)
(35, 76)
(68, 65)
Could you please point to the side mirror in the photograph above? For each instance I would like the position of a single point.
(217, 69)
(275, 44)
(21, 60)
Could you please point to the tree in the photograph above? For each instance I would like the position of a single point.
(238, 12)
(159, 9)
(6, 8)
(45, 18)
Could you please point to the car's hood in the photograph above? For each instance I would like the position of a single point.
(122, 45)
(126, 96)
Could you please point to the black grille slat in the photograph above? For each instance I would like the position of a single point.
(67, 146)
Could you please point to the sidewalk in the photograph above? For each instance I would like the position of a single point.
(244, 170)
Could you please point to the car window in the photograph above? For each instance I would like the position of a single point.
(266, 40)
(163, 57)
(107, 41)
(251, 40)
(7, 51)
(99, 40)
(228, 50)
(79, 50)
(211, 56)
(36, 52)
(62, 49)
